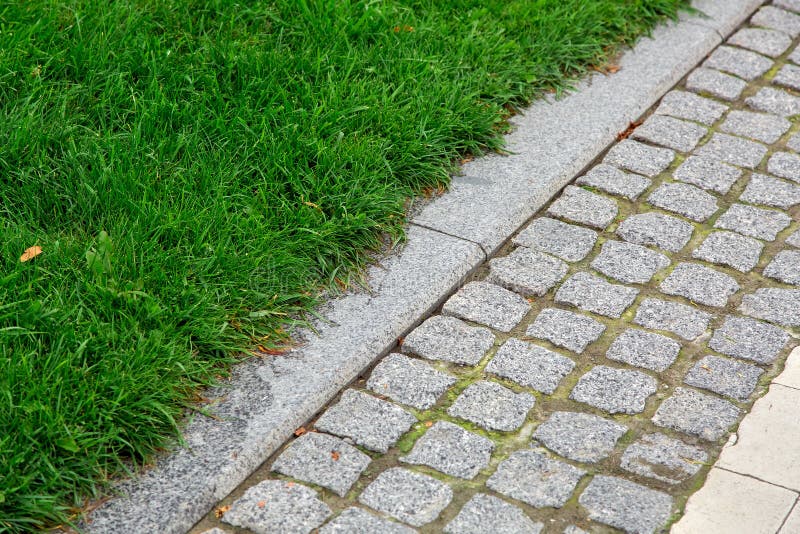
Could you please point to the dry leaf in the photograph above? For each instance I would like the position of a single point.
(335, 456)
(624, 134)
(30, 253)
(611, 69)
(311, 205)
(220, 511)
(300, 431)
(261, 504)
(705, 367)
(428, 424)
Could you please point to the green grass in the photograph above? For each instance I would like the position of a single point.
(196, 171)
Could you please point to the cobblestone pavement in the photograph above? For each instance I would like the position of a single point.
(588, 376)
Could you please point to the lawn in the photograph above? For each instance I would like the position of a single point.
(197, 171)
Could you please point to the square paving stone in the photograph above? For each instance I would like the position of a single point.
(448, 339)
(644, 349)
(684, 199)
(788, 76)
(579, 436)
(795, 55)
(777, 19)
(781, 306)
(696, 414)
(656, 229)
(530, 365)
(707, 173)
(450, 449)
(686, 321)
(626, 505)
(289, 507)
(730, 248)
(785, 267)
(322, 460)
(594, 294)
(774, 101)
(629, 263)
(743, 63)
(715, 83)
(639, 158)
(358, 521)
(733, 150)
(527, 271)
(484, 514)
(785, 165)
(699, 283)
(763, 127)
(769, 191)
(614, 181)
(670, 132)
(581, 206)
(567, 241)
(614, 390)
(768, 42)
(684, 105)
(566, 329)
(749, 339)
(794, 141)
(487, 304)
(754, 222)
(409, 381)
(411, 497)
(794, 239)
(663, 458)
(492, 406)
(372, 423)
(533, 478)
(731, 378)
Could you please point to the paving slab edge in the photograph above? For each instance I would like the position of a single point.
(267, 399)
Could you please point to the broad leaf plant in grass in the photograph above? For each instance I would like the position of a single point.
(195, 172)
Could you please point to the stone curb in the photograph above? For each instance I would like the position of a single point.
(267, 399)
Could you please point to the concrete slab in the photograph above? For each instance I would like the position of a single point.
(790, 377)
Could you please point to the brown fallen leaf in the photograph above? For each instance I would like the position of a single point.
(705, 367)
(261, 504)
(30, 253)
(335, 456)
(220, 510)
(428, 424)
(300, 431)
(624, 134)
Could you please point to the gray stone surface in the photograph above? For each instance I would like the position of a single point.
(527, 271)
(684, 199)
(771, 43)
(707, 173)
(743, 63)
(572, 529)
(629, 263)
(492, 406)
(789, 5)
(409, 381)
(686, 321)
(644, 349)
(749, 339)
(734, 13)
(781, 306)
(794, 141)
(626, 505)
(670, 132)
(763, 127)
(795, 55)
(785, 165)
(566, 329)
(731, 378)
(530, 365)
(775, 101)
(448, 339)
(731, 249)
(614, 390)
(734, 150)
(715, 83)
(777, 19)
(487, 304)
(685, 105)
(369, 422)
(794, 239)
(567, 241)
(656, 229)
(292, 509)
(358, 521)
(699, 283)
(533, 478)
(322, 460)
(450, 449)
(581, 206)
(579, 436)
(614, 181)
(484, 514)
(754, 222)
(214, 530)
(788, 76)
(663, 458)
(785, 267)
(696, 414)
(594, 294)
(639, 158)
(769, 191)
(411, 497)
